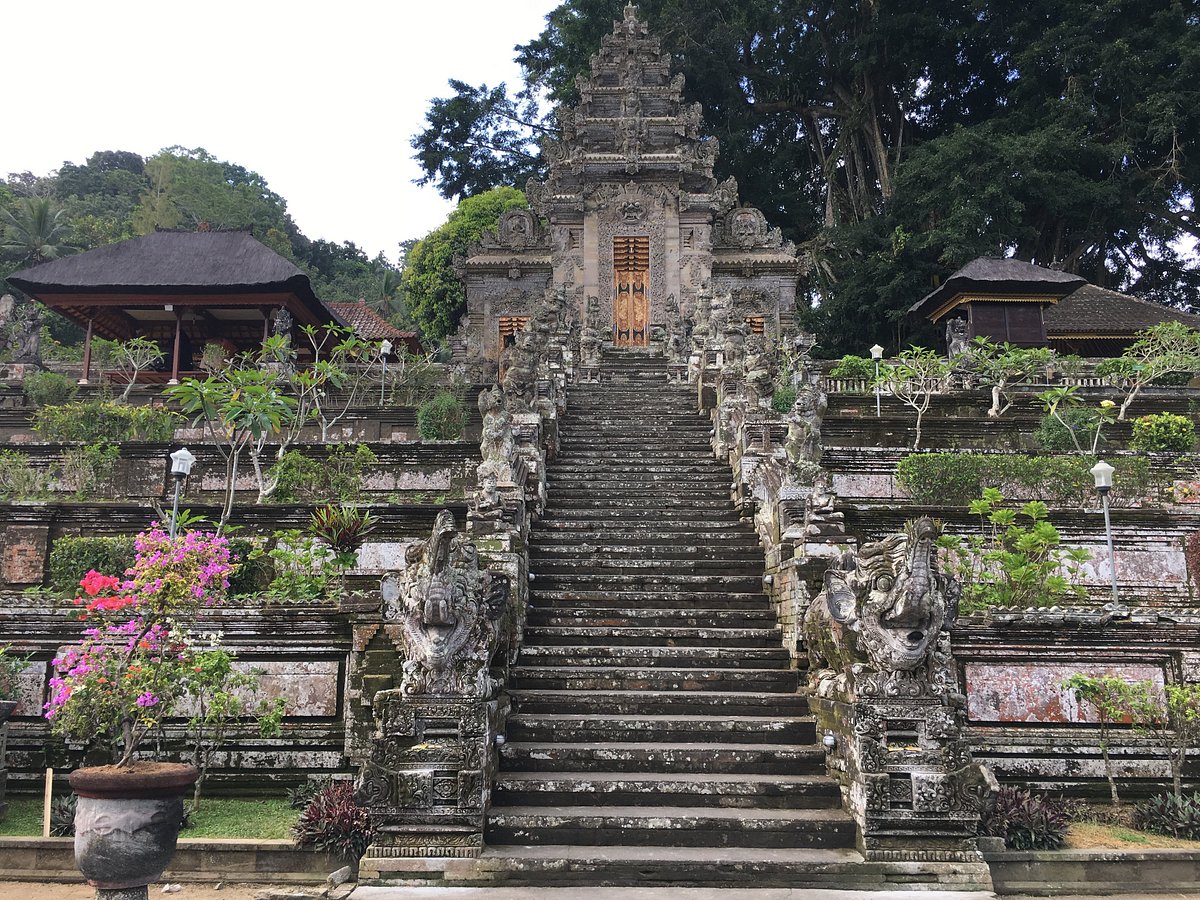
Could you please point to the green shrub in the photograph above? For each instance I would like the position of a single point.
(783, 399)
(254, 571)
(18, 479)
(45, 388)
(959, 478)
(335, 823)
(302, 567)
(73, 557)
(303, 479)
(1052, 437)
(1027, 821)
(1168, 814)
(441, 418)
(93, 422)
(851, 366)
(1163, 432)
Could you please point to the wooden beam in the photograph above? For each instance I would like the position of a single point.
(87, 352)
(175, 349)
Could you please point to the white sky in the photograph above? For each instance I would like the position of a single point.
(320, 99)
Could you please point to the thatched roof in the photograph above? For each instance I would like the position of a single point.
(170, 262)
(1096, 312)
(1007, 277)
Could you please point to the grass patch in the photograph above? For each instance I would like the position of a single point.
(262, 819)
(24, 818)
(1094, 836)
(218, 817)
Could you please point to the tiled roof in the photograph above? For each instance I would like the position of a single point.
(1096, 311)
(368, 324)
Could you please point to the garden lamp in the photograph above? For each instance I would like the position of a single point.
(385, 350)
(877, 355)
(181, 466)
(1102, 472)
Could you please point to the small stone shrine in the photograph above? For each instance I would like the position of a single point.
(631, 222)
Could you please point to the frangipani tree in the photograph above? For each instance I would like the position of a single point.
(914, 378)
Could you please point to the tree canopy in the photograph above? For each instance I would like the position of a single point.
(897, 142)
(434, 292)
(116, 194)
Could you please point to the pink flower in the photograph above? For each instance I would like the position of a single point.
(147, 699)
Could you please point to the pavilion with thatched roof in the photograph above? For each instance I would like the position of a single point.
(180, 289)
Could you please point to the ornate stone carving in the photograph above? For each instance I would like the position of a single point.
(281, 323)
(25, 333)
(520, 371)
(957, 340)
(882, 608)
(803, 446)
(445, 611)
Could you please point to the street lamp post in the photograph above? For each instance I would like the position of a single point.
(877, 355)
(385, 350)
(1102, 472)
(181, 465)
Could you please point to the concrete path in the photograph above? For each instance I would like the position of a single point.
(619, 893)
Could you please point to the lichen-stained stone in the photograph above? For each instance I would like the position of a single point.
(1034, 692)
(23, 555)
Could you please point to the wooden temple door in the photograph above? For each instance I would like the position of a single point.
(631, 303)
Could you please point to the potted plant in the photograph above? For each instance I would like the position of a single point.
(128, 674)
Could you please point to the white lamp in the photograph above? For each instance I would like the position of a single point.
(385, 350)
(181, 466)
(1102, 472)
(877, 355)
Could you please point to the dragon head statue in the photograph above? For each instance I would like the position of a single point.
(883, 607)
(445, 611)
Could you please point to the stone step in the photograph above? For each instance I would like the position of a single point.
(692, 469)
(741, 584)
(545, 597)
(609, 539)
(669, 869)
(651, 678)
(636, 655)
(675, 729)
(636, 634)
(670, 826)
(603, 569)
(662, 487)
(618, 617)
(625, 517)
(680, 554)
(558, 789)
(604, 756)
(733, 703)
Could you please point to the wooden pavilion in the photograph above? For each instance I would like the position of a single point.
(180, 289)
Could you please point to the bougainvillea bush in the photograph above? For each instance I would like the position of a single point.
(138, 660)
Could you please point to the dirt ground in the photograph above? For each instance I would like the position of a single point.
(24, 890)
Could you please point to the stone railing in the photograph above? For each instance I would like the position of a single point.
(427, 702)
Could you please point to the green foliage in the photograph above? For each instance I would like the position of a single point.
(1113, 699)
(958, 478)
(1169, 348)
(333, 822)
(62, 816)
(134, 356)
(34, 231)
(1163, 432)
(343, 529)
(72, 557)
(302, 795)
(441, 418)
(91, 422)
(48, 388)
(783, 398)
(435, 293)
(851, 366)
(1167, 813)
(1027, 821)
(254, 571)
(1003, 365)
(12, 666)
(302, 567)
(87, 469)
(1081, 426)
(19, 480)
(913, 379)
(1012, 564)
(303, 479)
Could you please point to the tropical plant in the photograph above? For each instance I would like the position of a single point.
(1011, 564)
(12, 667)
(441, 418)
(1112, 698)
(131, 670)
(34, 231)
(134, 356)
(91, 422)
(302, 567)
(1003, 366)
(1165, 349)
(914, 378)
(1174, 814)
(1163, 432)
(1172, 715)
(343, 529)
(335, 823)
(304, 479)
(853, 367)
(1027, 821)
(44, 388)
(1084, 427)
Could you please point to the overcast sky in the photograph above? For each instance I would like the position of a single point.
(320, 99)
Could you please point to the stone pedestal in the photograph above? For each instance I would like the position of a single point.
(428, 780)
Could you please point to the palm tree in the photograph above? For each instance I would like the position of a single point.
(35, 231)
(388, 288)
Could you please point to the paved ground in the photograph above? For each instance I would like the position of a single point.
(25, 890)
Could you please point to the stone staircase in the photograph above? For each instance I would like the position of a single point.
(657, 734)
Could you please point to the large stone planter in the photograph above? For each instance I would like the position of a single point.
(126, 823)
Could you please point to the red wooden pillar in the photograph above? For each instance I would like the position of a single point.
(266, 313)
(175, 350)
(87, 354)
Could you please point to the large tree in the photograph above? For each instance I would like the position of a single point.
(432, 289)
(899, 141)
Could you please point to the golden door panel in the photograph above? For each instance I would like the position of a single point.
(631, 300)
